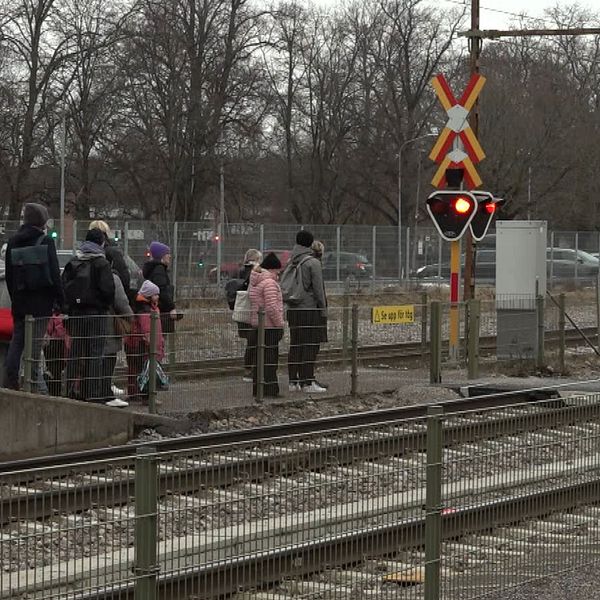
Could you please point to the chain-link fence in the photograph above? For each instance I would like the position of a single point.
(358, 256)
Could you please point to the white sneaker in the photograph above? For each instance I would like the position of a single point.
(247, 379)
(313, 388)
(295, 387)
(117, 391)
(117, 403)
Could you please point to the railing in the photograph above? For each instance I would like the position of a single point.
(448, 506)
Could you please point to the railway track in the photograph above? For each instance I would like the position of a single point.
(287, 504)
(218, 367)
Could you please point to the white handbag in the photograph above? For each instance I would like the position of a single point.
(242, 310)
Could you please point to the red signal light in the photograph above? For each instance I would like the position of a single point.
(490, 207)
(462, 206)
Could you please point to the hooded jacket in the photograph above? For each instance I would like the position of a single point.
(101, 279)
(312, 278)
(40, 302)
(265, 293)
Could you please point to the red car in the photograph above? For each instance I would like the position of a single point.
(231, 270)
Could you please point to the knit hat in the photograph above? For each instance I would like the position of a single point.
(35, 214)
(149, 289)
(304, 238)
(95, 236)
(271, 262)
(158, 250)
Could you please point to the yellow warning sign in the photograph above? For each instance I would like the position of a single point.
(393, 315)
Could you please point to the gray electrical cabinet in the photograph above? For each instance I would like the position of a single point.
(520, 280)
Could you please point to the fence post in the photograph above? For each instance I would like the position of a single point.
(474, 309)
(433, 503)
(345, 323)
(576, 257)
(175, 255)
(74, 240)
(146, 518)
(260, 357)
(424, 310)
(435, 342)
(152, 362)
(407, 254)
(219, 253)
(261, 237)
(561, 332)
(354, 374)
(373, 255)
(126, 238)
(338, 242)
(28, 354)
(540, 359)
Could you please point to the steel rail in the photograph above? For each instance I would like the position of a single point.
(46, 503)
(263, 569)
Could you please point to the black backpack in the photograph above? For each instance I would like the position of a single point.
(80, 292)
(31, 267)
(232, 287)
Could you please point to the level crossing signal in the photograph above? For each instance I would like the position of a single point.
(487, 207)
(451, 212)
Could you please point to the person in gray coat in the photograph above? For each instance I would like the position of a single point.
(121, 317)
(305, 317)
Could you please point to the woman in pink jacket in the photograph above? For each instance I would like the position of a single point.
(265, 293)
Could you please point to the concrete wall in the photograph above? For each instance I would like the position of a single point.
(32, 425)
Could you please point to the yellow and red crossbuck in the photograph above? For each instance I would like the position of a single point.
(457, 125)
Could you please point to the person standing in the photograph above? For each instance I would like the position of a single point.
(318, 249)
(34, 287)
(116, 326)
(304, 314)
(156, 270)
(89, 296)
(265, 294)
(137, 343)
(252, 258)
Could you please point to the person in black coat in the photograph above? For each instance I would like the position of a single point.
(38, 302)
(156, 270)
(114, 255)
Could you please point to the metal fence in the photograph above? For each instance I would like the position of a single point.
(455, 506)
(365, 256)
(211, 363)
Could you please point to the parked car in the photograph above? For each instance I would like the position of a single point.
(231, 270)
(566, 263)
(352, 266)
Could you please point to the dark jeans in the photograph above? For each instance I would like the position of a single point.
(246, 332)
(271, 385)
(305, 340)
(15, 352)
(85, 365)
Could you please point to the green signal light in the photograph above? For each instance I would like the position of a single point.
(54, 235)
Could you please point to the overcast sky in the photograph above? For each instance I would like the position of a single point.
(493, 11)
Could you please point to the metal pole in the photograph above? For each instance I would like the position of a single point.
(374, 255)
(260, 357)
(400, 214)
(435, 342)
(62, 177)
(338, 242)
(261, 237)
(222, 199)
(28, 352)
(551, 257)
(126, 238)
(175, 255)
(146, 520)
(354, 374)
(561, 332)
(454, 299)
(152, 362)
(219, 258)
(474, 309)
(433, 503)
(529, 193)
(424, 309)
(74, 244)
(576, 256)
(407, 254)
(540, 359)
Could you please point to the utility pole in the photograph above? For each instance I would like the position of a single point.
(63, 144)
(474, 54)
